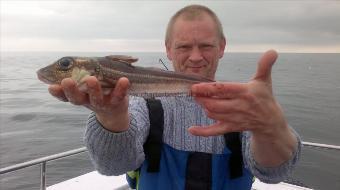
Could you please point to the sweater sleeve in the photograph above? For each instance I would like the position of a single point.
(117, 153)
(269, 174)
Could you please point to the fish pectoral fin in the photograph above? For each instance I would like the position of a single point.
(79, 74)
(122, 58)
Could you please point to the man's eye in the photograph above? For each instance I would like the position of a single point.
(183, 47)
(207, 46)
(65, 63)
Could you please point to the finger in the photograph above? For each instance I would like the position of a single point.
(264, 66)
(57, 92)
(221, 105)
(121, 89)
(226, 117)
(218, 89)
(211, 130)
(95, 91)
(240, 120)
(72, 93)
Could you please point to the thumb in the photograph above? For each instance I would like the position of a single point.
(264, 66)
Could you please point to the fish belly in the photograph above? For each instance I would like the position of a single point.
(147, 90)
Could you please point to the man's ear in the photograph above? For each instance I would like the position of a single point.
(222, 45)
(168, 50)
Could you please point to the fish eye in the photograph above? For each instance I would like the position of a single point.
(65, 63)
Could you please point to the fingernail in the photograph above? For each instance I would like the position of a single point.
(83, 87)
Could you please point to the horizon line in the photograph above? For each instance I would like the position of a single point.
(63, 51)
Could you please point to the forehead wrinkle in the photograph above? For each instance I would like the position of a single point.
(198, 31)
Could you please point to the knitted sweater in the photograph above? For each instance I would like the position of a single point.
(117, 153)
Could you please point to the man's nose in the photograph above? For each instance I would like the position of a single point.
(195, 55)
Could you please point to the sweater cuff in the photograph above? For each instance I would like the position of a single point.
(279, 173)
(97, 136)
(113, 153)
(94, 123)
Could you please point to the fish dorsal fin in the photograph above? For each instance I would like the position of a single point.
(122, 58)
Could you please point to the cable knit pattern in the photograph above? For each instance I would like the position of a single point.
(117, 153)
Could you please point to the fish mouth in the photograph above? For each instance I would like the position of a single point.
(43, 78)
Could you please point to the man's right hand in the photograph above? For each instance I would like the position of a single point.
(111, 110)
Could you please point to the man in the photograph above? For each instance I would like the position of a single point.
(198, 149)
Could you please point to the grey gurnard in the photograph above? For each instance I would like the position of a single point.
(144, 81)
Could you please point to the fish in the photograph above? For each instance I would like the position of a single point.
(146, 82)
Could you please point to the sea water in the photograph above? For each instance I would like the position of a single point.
(34, 124)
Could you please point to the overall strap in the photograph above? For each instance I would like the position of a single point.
(233, 142)
(153, 144)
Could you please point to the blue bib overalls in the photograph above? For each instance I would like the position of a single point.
(166, 168)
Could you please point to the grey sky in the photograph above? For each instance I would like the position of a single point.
(288, 26)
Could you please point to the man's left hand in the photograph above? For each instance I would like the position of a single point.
(241, 106)
(248, 107)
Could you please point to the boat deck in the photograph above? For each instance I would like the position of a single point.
(94, 180)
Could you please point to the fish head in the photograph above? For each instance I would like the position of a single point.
(66, 67)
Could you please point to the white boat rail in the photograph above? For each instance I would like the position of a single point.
(323, 146)
(43, 160)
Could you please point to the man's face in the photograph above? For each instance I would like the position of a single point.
(195, 47)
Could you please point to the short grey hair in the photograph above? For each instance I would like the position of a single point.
(193, 12)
